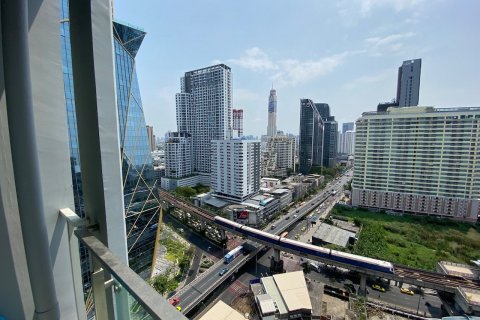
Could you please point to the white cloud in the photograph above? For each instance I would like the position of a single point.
(382, 41)
(288, 71)
(293, 72)
(391, 43)
(352, 11)
(398, 5)
(254, 59)
(371, 79)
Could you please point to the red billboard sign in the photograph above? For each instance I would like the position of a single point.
(242, 214)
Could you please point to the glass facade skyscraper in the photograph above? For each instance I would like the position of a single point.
(311, 136)
(140, 199)
(329, 135)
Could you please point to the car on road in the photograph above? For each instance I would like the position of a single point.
(303, 229)
(273, 226)
(294, 216)
(378, 288)
(174, 301)
(297, 236)
(223, 271)
(179, 308)
(296, 212)
(406, 291)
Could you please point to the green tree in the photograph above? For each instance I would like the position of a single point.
(186, 192)
(164, 283)
(348, 186)
(200, 188)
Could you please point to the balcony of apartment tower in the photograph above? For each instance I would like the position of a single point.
(40, 225)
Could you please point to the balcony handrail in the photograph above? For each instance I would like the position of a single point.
(146, 296)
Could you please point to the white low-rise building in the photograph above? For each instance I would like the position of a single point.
(284, 195)
(287, 293)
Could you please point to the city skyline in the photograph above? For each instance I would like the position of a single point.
(352, 61)
(88, 231)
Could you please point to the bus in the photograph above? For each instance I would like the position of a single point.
(284, 235)
(233, 254)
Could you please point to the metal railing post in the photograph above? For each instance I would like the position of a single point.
(99, 294)
(74, 221)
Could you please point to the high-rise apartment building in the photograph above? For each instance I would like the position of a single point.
(140, 200)
(178, 155)
(204, 109)
(346, 143)
(408, 86)
(279, 156)
(235, 173)
(311, 136)
(272, 114)
(419, 160)
(329, 135)
(348, 126)
(408, 83)
(151, 137)
(238, 122)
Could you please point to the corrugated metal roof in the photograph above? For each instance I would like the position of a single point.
(215, 202)
(266, 303)
(272, 290)
(222, 311)
(332, 234)
(293, 289)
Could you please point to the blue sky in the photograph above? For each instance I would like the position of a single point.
(344, 53)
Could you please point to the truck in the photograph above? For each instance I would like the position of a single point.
(229, 257)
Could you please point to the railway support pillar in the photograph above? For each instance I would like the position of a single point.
(400, 284)
(363, 285)
(276, 255)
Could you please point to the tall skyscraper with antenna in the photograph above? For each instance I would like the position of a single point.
(272, 113)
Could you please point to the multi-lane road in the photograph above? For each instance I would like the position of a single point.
(206, 282)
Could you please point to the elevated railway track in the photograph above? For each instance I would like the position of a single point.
(400, 273)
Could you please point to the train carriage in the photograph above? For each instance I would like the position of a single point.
(229, 224)
(308, 249)
(260, 235)
(305, 248)
(362, 262)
